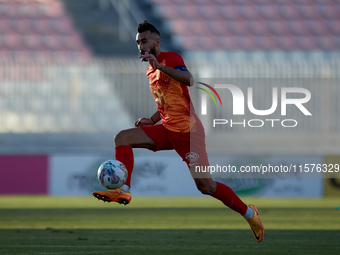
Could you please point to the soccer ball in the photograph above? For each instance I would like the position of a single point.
(112, 174)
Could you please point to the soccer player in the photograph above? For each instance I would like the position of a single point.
(180, 128)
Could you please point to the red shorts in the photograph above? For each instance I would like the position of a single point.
(190, 146)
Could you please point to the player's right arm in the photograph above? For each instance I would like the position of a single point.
(148, 121)
(180, 75)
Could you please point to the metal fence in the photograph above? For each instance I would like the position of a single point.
(103, 94)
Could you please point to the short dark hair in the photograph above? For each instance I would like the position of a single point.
(146, 26)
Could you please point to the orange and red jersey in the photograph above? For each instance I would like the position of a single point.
(172, 98)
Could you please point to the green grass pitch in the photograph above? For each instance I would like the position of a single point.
(49, 225)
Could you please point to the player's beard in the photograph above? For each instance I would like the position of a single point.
(153, 50)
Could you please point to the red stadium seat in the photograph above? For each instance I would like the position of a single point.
(238, 27)
(199, 28)
(278, 27)
(286, 43)
(41, 25)
(180, 27)
(229, 12)
(31, 40)
(218, 28)
(228, 43)
(62, 25)
(5, 25)
(327, 43)
(334, 26)
(51, 41)
(189, 43)
(266, 43)
(258, 27)
(298, 27)
(4, 52)
(308, 11)
(269, 11)
(329, 10)
(11, 40)
(247, 43)
(30, 9)
(71, 41)
(169, 12)
(318, 27)
(208, 12)
(255, 25)
(289, 11)
(207, 43)
(306, 43)
(21, 25)
(188, 12)
(10, 9)
(248, 11)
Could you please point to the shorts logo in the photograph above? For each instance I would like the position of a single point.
(192, 158)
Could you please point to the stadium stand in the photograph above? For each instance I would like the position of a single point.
(70, 68)
(261, 25)
(39, 29)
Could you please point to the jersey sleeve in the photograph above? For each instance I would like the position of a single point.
(173, 59)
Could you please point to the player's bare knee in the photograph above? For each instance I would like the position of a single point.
(120, 138)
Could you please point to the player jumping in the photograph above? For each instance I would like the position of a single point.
(180, 128)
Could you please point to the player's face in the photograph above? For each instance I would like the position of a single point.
(146, 43)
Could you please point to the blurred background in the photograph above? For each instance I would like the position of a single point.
(70, 79)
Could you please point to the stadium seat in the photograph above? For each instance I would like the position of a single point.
(62, 25)
(51, 41)
(278, 27)
(218, 28)
(189, 43)
(208, 12)
(188, 12)
(298, 27)
(327, 43)
(229, 12)
(269, 11)
(5, 25)
(30, 9)
(247, 43)
(306, 43)
(329, 10)
(199, 28)
(169, 12)
(334, 26)
(266, 43)
(318, 27)
(11, 40)
(258, 27)
(31, 40)
(21, 25)
(180, 27)
(248, 11)
(41, 25)
(227, 43)
(238, 27)
(286, 43)
(308, 11)
(72, 41)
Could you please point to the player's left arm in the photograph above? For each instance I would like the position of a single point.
(181, 75)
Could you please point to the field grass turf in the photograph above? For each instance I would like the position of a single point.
(49, 225)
